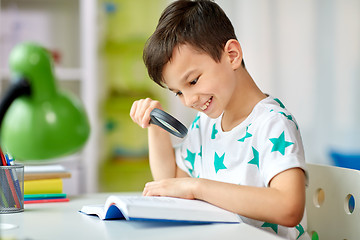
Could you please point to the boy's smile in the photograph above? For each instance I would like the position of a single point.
(199, 81)
(206, 105)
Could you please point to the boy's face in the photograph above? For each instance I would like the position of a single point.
(199, 81)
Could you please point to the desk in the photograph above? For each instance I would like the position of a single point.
(63, 221)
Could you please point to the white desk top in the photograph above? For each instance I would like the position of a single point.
(63, 221)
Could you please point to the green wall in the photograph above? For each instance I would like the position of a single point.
(125, 26)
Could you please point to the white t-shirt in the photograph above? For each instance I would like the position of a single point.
(266, 143)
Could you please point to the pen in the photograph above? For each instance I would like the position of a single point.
(16, 181)
(7, 159)
(12, 187)
(11, 159)
(3, 191)
(3, 160)
(11, 162)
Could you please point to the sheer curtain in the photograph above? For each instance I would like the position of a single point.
(307, 53)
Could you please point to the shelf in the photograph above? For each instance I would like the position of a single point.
(68, 73)
(74, 158)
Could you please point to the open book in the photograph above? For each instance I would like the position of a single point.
(160, 209)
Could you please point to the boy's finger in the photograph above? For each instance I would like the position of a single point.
(133, 110)
(146, 118)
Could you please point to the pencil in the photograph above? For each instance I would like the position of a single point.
(12, 188)
(47, 200)
(2, 191)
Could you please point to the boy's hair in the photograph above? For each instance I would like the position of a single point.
(200, 23)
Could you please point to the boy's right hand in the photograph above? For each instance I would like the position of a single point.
(141, 109)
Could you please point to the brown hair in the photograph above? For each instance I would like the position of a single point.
(200, 23)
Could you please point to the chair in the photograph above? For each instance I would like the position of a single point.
(331, 203)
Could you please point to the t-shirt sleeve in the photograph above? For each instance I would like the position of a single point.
(280, 147)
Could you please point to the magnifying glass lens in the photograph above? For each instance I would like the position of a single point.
(168, 122)
(167, 125)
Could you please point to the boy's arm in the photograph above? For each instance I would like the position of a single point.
(282, 202)
(162, 155)
(161, 151)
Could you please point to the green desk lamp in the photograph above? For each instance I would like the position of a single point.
(38, 121)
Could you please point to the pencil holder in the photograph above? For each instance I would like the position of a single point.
(12, 188)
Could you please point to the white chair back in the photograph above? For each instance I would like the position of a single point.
(333, 203)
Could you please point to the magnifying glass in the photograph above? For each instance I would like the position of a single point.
(168, 122)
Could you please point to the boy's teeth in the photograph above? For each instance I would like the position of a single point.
(206, 105)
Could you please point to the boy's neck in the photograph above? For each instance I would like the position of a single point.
(243, 101)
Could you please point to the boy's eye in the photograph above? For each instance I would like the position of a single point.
(193, 82)
(179, 93)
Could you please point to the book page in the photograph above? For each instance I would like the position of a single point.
(170, 202)
(95, 209)
(140, 207)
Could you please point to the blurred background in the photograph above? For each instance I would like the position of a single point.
(305, 52)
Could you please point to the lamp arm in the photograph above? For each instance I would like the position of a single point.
(16, 89)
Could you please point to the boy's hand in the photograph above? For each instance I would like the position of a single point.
(141, 109)
(172, 187)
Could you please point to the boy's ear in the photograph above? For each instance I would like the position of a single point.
(234, 53)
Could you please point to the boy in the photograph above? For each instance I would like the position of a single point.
(243, 151)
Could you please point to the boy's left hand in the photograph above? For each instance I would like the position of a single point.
(172, 187)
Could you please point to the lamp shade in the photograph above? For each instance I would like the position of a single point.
(47, 123)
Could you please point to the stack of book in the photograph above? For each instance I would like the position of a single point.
(44, 184)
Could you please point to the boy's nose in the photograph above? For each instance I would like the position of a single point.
(190, 100)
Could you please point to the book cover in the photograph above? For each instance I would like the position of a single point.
(44, 196)
(45, 172)
(38, 176)
(43, 186)
(160, 209)
(46, 200)
(43, 168)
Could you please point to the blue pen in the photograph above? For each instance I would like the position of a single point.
(11, 162)
(8, 161)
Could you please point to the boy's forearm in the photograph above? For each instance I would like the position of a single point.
(272, 204)
(161, 153)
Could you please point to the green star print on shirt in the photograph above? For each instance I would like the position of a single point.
(300, 229)
(200, 153)
(289, 117)
(194, 123)
(214, 131)
(219, 162)
(190, 158)
(271, 225)
(247, 135)
(280, 144)
(255, 160)
(279, 102)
